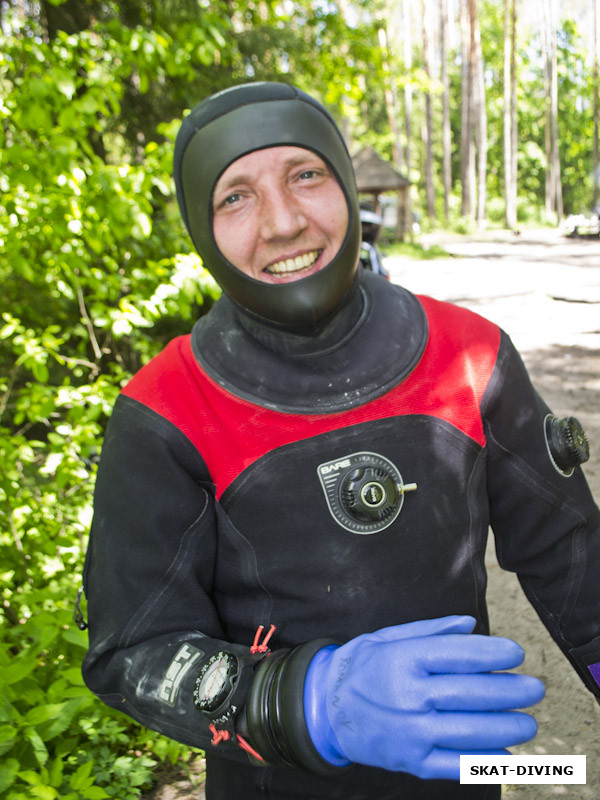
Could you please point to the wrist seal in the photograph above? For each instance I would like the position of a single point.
(274, 712)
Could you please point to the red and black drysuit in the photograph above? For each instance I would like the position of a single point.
(211, 518)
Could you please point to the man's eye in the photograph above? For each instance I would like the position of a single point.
(309, 173)
(231, 199)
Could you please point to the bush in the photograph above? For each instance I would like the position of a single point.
(95, 278)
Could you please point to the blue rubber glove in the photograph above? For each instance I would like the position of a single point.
(413, 697)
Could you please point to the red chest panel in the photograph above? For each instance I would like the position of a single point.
(232, 433)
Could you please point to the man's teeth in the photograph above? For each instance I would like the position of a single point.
(294, 264)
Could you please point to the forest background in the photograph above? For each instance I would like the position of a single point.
(491, 109)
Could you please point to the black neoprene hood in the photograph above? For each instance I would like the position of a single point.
(232, 124)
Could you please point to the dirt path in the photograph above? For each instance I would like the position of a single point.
(545, 292)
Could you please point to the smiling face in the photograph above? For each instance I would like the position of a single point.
(279, 214)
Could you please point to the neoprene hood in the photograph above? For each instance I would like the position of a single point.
(229, 125)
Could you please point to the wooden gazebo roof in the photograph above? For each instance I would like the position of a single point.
(374, 175)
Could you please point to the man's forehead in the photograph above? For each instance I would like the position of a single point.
(278, 157)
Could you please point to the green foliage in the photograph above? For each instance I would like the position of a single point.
(575, 120)
(96, 277)
(415, 251)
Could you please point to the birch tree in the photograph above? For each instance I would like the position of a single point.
(480, 112)
(467, 152)
(391, 97)
(446, 132)
(553, 178)
(408, 84)
(510, 114)
(596, 102)
(428, 121)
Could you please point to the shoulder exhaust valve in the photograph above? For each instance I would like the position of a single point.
(566, 442)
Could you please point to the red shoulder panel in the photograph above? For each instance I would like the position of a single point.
(232, 433)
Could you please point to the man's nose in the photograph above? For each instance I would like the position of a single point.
(281, 216)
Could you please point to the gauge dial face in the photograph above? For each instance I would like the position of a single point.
(215, 681)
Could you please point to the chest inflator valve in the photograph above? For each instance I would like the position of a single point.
(567, 443)
(369, 494)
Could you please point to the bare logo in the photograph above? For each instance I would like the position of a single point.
(327, 468)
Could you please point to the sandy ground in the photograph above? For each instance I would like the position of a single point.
(544, 290)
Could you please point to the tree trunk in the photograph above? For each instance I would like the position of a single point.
(596, 104)
(513, 107)
(428, 127)
(466, 127)
(408, 222)
(446, 131)
(71, 16)
(546, 39)
(480, 115)
(390, 94)
(510, 205)
(553, 184)
(556, 179)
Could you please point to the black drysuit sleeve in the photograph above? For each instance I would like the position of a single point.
(149, 574)
(546, 525)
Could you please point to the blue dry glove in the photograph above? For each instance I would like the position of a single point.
(413, 697)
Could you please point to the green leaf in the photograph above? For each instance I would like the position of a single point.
(73, 676)
(9, 329)
(39, 748)
(64, 82)
(80, 778)
(8, 773)
(7, 732)
(56, 772)
(31, 777)
(94, 793)
(58, 724)
(67, 118)
(217, 35)
(17, 671)
(88, 104)
(36, 116)
(76, 637)
(44, 713)
(142, 227)
(7, 743)
(40, 371)
(44, 792)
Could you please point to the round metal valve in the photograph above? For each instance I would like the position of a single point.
(369, 494)
(567, 443)
(364, 491)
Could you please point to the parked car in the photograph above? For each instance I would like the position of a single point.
(370, 255)
(582, 224)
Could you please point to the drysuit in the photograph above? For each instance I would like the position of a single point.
(328, 483)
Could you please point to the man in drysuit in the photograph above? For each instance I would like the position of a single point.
(323, 457)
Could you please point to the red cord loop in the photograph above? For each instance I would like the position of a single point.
(262, 648)
(224, 735)
(248, 748)
(218, 736)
